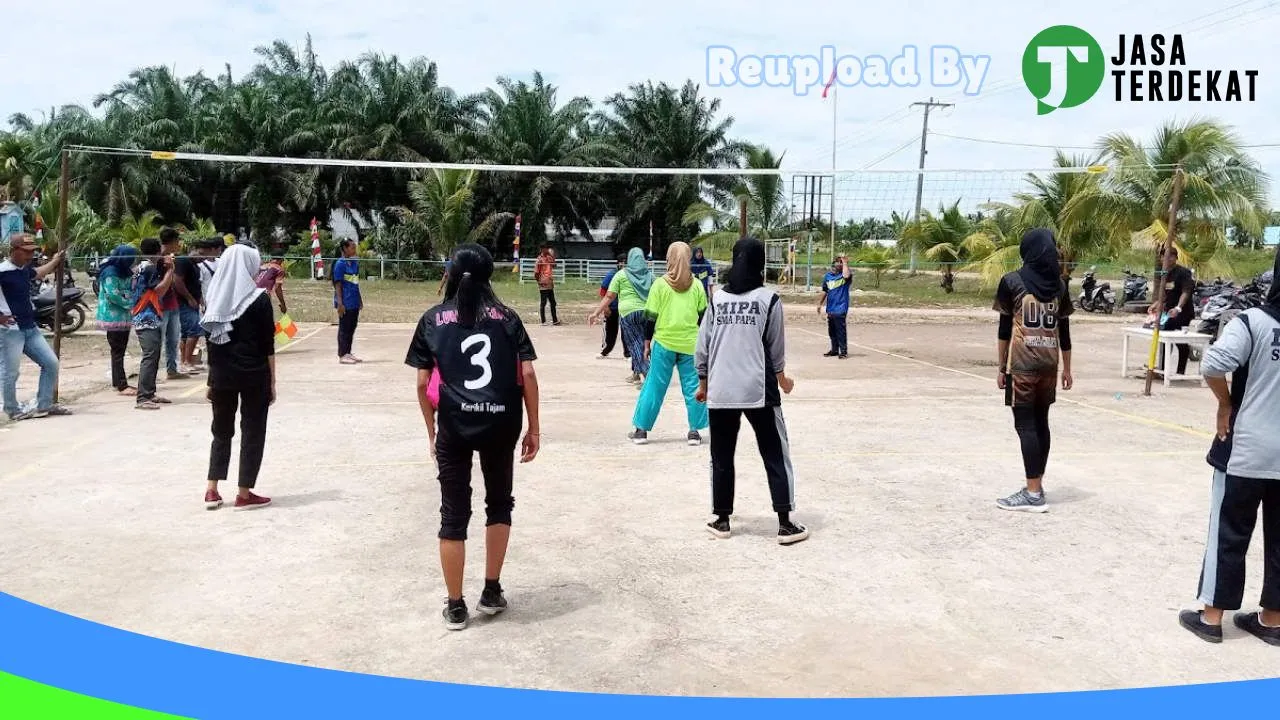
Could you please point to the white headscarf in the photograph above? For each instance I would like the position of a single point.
(231, 291)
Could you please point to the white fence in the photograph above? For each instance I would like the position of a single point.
(591, 270)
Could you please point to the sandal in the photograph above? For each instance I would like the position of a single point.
(128, 392)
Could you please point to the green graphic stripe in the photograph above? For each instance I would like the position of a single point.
(22, 699)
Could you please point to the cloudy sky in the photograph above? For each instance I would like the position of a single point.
(594, 49)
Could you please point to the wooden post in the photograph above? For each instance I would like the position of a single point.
(64, 191)
(1174, 203)
(742, 218)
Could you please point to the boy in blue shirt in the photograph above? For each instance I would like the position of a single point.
(347, 300)
(835, 301)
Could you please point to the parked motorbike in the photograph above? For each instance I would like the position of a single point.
(44, 299)
(1224, 307)
(1135, 292)
(1095, 296)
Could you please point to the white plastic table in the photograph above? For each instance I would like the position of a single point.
(1168, 341)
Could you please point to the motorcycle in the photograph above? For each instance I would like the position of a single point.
(44, 299)
(1223, 308)
(1096, 297)
(1135, 292)
(1205, 292)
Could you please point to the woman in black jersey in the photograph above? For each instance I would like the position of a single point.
(1034, 341)
(484, 359)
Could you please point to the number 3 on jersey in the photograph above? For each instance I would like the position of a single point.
(480, 360)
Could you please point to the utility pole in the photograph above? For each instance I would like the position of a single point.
(924, 137)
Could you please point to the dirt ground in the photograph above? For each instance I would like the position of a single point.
(913, 583)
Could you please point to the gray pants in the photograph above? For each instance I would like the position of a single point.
(150, 340)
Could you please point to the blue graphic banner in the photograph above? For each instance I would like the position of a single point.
(82, 657)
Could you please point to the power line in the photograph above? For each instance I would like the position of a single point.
(910, 141)
(1012, 143)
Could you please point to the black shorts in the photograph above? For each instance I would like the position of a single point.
(497, 464)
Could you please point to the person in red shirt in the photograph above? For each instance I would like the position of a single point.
(544, 271)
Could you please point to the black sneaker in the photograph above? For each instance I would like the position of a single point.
(695, 438)
(638, 436)
(1194, 621)
(791, 533)
(1252, 624)
(455, 615)
(843, 356)
(492, 602)
(719, 528)
(833, 353)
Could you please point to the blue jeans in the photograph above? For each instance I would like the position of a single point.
(15, 343)
(662, 364)
(171, 329)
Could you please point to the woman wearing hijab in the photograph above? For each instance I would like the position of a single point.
(242, 371)
(674, 310)
(631, 289)
(741, 363)
(702, 270)
(115, 311)
(1034, 331)
(1245, 457)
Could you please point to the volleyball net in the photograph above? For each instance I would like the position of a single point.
(409, 215)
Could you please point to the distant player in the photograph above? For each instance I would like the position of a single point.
(1034, 331)
(347, 299)
(835, 301)
(485, 362)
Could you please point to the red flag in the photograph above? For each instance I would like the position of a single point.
(830, 82)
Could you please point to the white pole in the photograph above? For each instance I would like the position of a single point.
(835, 89)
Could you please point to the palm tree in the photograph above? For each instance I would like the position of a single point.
(1221, 184)
(440, 217)
(941, 238)
(664, 126)
(877, 257)
(767, 211)
(521, 123)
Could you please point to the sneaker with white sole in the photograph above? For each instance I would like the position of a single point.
(720, 529)
(1023, 501)
(695, 438)
(791, 533)
(455, 615)
(638, 436)
(492, 602)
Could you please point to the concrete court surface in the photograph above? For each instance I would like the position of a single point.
(913, 583)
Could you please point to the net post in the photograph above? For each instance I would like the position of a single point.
(64, 190)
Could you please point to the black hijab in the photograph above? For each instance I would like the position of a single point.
(1041, 273)
(1273, 295)
(747, 272)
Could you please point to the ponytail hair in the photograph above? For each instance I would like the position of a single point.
(470, 284)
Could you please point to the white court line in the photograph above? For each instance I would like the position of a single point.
(1128, 416)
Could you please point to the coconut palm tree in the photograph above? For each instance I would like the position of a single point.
(941, 238)
(767, 210)
(1221, 184)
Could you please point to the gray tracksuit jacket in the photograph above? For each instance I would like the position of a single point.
(741, 349)
(1249, 350)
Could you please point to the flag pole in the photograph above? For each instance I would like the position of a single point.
(835, 92)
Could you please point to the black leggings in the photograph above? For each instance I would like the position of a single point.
(1032, 424)
(497, 463)
(118, 341)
